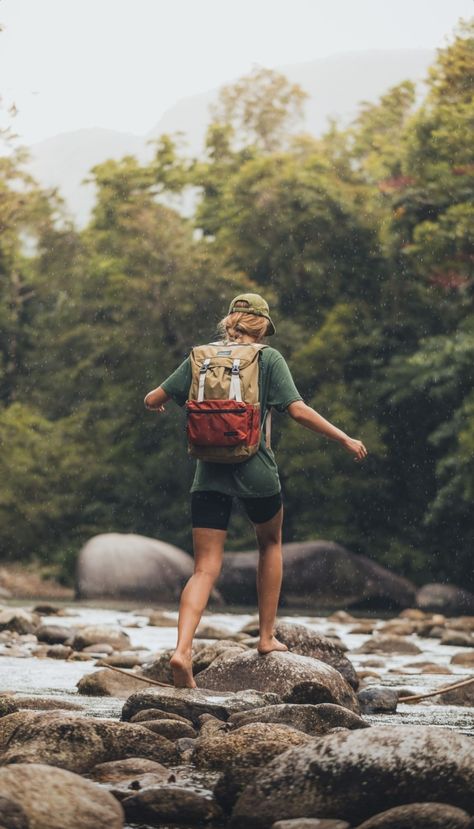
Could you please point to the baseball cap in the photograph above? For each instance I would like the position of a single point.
(252, 304)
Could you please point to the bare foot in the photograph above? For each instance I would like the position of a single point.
(181, 667)
(269, 645)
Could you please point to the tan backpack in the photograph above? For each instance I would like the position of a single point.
(223, 408)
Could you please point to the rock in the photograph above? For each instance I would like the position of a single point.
(156, 714)
(7, 705)
(192, 702)
(310, 823)
(159, 669)
(458, 638)
(53, 798)
(100, 649)
(59, 652)
(76, 743)
(311, 719)
(203, 658)
(46, 704)
(161, 619)
(250, 745)
(129, 566)
(355, 774)
(125, 659)
(54, 634)
(209, 725)
(458, 696)
(93, 634)
(45, 609)
(388, 644)
(295, 678)
(106, 683)
(320, 573)
(18, 620)
(378, 699)
(171, 729)
(12, 815)
(397, 627)
(130, 770)
(172, 803)
(207, 631)
(465, 623)
(445, 598)
(463, 658)
(420, 816)
(435, 669)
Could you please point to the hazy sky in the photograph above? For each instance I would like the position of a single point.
(120, 64)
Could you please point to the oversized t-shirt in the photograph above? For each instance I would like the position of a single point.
(258, 476)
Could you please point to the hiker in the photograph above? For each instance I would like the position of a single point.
(242, 469)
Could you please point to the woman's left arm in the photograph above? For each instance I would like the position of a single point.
(155, 400)
(310, 418)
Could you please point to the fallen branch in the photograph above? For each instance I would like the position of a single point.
(137, 676)
(416, 697)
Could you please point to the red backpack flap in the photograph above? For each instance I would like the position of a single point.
(222, 422)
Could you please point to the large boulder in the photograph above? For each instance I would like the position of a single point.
(311, 719)
(300, 639)
(131, 566)
(53, 798)
(320, 573)
(193, 702)
(75, 743)
(295, 678)
(353, 775)
(445, 598)
(420, 816)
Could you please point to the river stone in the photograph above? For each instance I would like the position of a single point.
(203, 658)
(156, 714)
(295, 678)
(420, 816)
(445, 598)
(7, 705)
(250, 745)
(310, 823)
(12, 815)
(172, 803)
(378, 699)
(354, 775)
(103, 634)
(159, 669)
(76, 743)
(465, 623)
(59, 652)
(388, 644)
(130, 566)
(54, 798)
(192, 702)
(463, 658)
(127, 773)
(124, 659)
(321, 573)
(458, 638)
(171, 729)
(304, 641)
(458, 696)
(19, 620)
(54, 634)
(107, 683)
(311, 719)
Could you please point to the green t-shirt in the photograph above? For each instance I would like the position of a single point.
(257, 477)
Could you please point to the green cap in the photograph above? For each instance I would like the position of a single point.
(252, 304)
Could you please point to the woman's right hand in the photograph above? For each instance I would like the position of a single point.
(356, 447)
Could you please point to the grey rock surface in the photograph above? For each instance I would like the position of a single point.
(192, 702)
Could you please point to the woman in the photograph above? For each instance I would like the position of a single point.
(255, 482)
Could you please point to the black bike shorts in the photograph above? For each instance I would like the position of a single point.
(211, 510)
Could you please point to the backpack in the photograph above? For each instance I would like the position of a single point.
(223, 407)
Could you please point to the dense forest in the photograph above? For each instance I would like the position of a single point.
(361, 240)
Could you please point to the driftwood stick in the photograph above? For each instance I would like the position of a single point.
(137, 676)
(416, 697)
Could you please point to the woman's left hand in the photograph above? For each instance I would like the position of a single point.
(356, 447)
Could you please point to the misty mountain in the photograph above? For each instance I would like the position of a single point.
(336, 85)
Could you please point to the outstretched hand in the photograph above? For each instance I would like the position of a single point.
(356, 447)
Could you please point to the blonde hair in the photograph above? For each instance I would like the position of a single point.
(251, 324)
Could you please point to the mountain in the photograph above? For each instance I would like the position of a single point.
(336, 85)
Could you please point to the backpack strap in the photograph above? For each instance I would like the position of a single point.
(268, 429)
(202, 379)
(235, 392)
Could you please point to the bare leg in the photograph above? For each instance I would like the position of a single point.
(269, 577)
(208, 549)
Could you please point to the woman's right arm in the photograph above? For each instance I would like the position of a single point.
(311, 419)
(155, 400)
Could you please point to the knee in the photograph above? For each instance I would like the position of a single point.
(270, 540)
(209, 573)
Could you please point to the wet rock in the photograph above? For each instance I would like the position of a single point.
(445, 598)
(76, 743)
(192, 702)
(7, 705)
(172, 803)
(161, 619)
(320, 573)
(18, 620)
(420, 816)
(208, 631)
(388, 644)
(45, 609)
(435, 669)
(463, 658)
(159, 668)
(203, 658)
(458, 638)
(295, 678)
(53, 798)
(59, 652)
(249, 745)
(106, 683)
(356, 774)
(46, 704)
(171, 729)
(156, 714)
(397, 627)
(310, 823)
(54, 634)
(124, 659)
(311, 719)
(130, 566)
(211, 725)
(378, 699)
(458, 696)
(465, 623)
(12, 815)
(134, 769)
(100, 649)
(94, 634)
